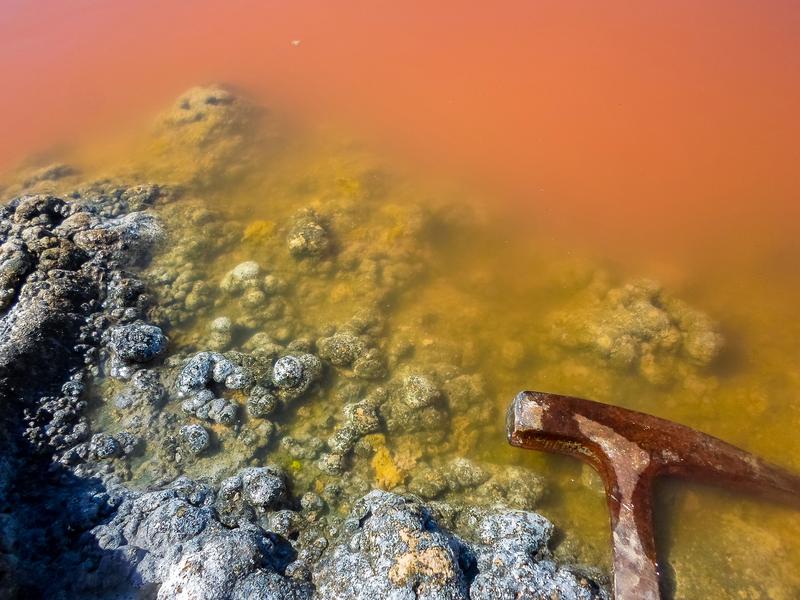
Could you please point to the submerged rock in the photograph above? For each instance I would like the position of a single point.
(262, 532)
(205, 368)
(242, 276)
(639, 326)
(308, 237)
(294, 374)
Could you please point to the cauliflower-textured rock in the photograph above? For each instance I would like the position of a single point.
(206, 136)
(252, 491)
(419, 391)
(261, 402)
(137, 342)
(144, 389)
(639, 326)
(232, 565)
(194, 438)
(287, 372)
(264, 487)
(370, 365)
(394, 550)
(205, 368)
(294, 374)
(221, 333)
(463, 473)
(196, 373)
(103, 446)
(510, 568)
(341, 349)
(205, 406)
(392, 547)
(242, 276)
(307, 238)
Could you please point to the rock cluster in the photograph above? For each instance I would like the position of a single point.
(639, 326)
(394, 548)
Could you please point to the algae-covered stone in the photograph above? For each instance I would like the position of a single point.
(639, 326)
(308, 237)
(264, 487)
(395, 551)
(341, 349)
(419, 392)
(242, 276)
(261, 402)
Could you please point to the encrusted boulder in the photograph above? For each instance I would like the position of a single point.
(137, 342)
(394, 550)
(393, 547)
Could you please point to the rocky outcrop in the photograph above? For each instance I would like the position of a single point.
(394, 548)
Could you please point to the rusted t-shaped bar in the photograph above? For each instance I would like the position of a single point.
(630, 449)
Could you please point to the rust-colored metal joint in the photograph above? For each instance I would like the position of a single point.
(630, 449)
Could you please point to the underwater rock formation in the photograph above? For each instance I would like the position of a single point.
(639, 326)
(200, 406)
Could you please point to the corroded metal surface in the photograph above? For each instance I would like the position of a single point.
(630, 449)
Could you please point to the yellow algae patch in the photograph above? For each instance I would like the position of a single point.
(258, 231)
(341, 291)
(374, 440)
(407, 452)
(350, 187)
(387, 474)
(465, 433)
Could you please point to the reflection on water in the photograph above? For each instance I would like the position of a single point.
(429, 311)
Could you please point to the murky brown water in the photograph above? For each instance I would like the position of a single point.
(444, 282)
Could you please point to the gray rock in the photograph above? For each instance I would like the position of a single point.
(261, 402)
(234, 564)
(205, 406)
(264, 487)
(510, 565)
(104, 446)
(393, 549)
(287, 372)
(197, 373)
(194, 438)
(137, 342)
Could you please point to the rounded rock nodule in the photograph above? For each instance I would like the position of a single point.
(137, 342)
(195, 438)
(287, 372)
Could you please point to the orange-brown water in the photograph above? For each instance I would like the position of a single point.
(661, 136)
(649, 126)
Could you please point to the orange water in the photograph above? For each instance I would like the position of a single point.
(647, 126)
(663, 135)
